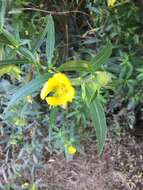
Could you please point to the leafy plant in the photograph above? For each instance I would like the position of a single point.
(19, 53)
(78, 42)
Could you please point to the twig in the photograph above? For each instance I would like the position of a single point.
(52, 12)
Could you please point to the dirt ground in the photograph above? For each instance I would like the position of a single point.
(119, 168)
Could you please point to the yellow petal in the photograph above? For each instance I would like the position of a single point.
(62, 90)
(56, 101)
(64, 106)
(62, 78)
(71, 150)
(48, 87)
(24, 185)
(111, 3)
(70, 94)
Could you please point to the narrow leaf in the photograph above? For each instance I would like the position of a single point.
(93, 95)
(52, 121)
(9, 38)
(79, 65)
(41, 38)
(28, 89)
(1, 51)
(2, 12)
(98, 118)
(4, 40)
(13, 61)
(27, 54)
(102, 56)
(50, 43)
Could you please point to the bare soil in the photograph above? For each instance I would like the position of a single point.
(119, 168)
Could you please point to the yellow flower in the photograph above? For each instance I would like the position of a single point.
(61, 88)
(29, 99)
(111, 3)
(103, 78)
(24, 185)
(71, 150)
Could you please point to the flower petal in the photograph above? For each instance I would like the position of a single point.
(71, 150)
(48, 87)
(111, 3)
(56, 101)
(62, 78)
(70, 94)
(60, 85)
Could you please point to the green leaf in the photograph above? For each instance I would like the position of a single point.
(41, 39)
(13, 61)
(31, 57)
(50, 43)
(33, 187)
(98, 117)
(28, 89)
(102, 56)
(11, 70)
(4, 40)
(2, 12)
(8, 38)
(52, 121)
(27, 54)
(79, 65)
(93, 95)
(1, 51)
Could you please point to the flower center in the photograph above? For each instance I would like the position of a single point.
(60, 90)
